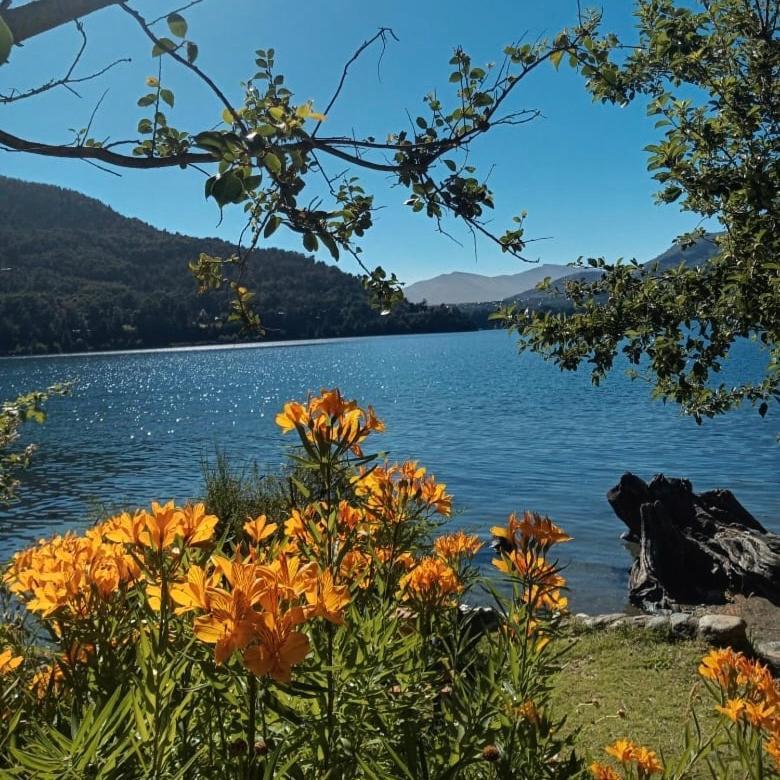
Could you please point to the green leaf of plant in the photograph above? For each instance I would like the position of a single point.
(162, 46)
(272, 162)
(6, 41)
(192, 52)
(167, 96)
(177, 24)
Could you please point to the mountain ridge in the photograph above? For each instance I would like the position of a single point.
(84, 277)
(460, 287)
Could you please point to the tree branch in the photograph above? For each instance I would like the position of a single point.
(16, 144)
(40, 16)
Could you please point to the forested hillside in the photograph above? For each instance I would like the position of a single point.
(75, 275)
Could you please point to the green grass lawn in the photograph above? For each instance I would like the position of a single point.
(630, 683)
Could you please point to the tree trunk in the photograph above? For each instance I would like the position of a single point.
(694, 548)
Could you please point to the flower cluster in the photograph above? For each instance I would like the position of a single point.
(401, 492)
(629, 755)
(257, 609)
(522, 545)
(329, 421)
(455, 546)
(69, 576)
(748, 693)
(432, 583)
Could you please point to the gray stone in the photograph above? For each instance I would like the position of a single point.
(682, 624)
(723, 630)
(770, 653)
(658, 623)
(603, 621)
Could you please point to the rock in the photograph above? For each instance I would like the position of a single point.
(604, 621)
(723, 630)
(682, 624)
(658, 623)
(770, 653)
(693, 549)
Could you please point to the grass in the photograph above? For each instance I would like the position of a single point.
(630, 683)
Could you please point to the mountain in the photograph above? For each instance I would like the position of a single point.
(555, 297)
(75, 275)
(459, 287)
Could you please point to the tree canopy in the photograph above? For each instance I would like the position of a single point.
(710, 74)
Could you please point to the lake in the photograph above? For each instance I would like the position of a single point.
(505, 432)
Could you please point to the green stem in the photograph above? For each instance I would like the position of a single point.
(250, 726)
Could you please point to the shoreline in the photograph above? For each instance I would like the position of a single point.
(278, 344)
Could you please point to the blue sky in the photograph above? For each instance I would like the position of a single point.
(579, 171)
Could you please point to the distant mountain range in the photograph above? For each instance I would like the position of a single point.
(77, 276)
(459, 287)
(467, 288)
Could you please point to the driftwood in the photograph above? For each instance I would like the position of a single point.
(693, 548)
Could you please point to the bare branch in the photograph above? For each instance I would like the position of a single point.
(67, 80)
(174, 11)
(380, 35)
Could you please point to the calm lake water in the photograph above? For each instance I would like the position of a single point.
(505, 432)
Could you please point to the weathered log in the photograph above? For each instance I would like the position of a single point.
(693, 548)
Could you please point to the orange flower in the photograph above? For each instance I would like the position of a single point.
(161, 526)
(259, 528)
(194, 593)
(326, 599)
(293, 415)
(773, 748)
(329, 420)
(229, 624)
(760, 714)
(9, 662)
(457, 545)
(647, 762)
(541, 529)
(279, 648)
(733, 710)
(47, 679)
(399, 493)
(720, 666)
(623, 750)
(431, 582)
(195, 526)
(532, 528)
(603, 772)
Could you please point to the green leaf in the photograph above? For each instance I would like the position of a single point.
(162, 46)
(270, 228)
(556, 58)
(226, 188)
(310, 241)
(177, 25)
(167, 96)
(272, 162)
(192, 52)
(6, 41)
(146, 100)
